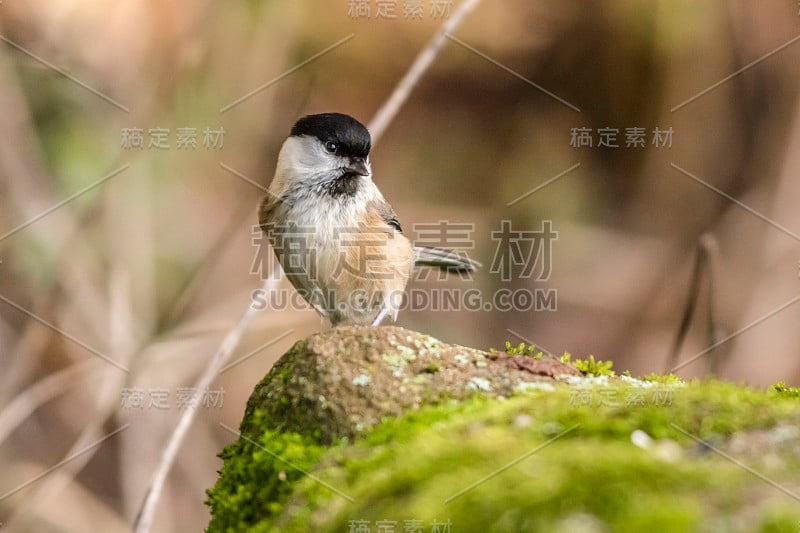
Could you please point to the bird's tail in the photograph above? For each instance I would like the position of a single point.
(444, 259)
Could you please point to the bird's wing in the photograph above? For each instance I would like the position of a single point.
(387, 214)
(301, 273)
(268, 210)
(426, 255)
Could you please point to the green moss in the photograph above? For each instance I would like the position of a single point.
(539, 461)
(669, 379)
(258, 475)
(596, 368)
(591, 366)
(520, 349)
(783, 390)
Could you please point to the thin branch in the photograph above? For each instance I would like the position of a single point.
(706, 263)
(711, 247)
(79, 454)
(104, 397)
(144, 518)
(202, 268)
(26, 402)
(388, 110)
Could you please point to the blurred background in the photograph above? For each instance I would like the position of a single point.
(136, 136)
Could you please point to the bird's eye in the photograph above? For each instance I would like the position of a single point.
(331, 147)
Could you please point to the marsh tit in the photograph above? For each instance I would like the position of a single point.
(338, 240)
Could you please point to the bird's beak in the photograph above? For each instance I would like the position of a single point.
(358, 165)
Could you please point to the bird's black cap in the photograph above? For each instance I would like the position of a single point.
(351, 135)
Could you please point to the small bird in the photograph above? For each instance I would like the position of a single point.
(338, 240)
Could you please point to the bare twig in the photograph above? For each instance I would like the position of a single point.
(144, 519)
(711, 248)
(706, 263)
(78, 456)
(202, 268)
(688, 311)
(47, 388)
(111, 383)
(388, 110)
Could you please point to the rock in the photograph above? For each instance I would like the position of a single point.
(541, 460)
(343, 381)
(384, 429)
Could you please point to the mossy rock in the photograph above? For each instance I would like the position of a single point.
(343, 381)
(591, 454)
